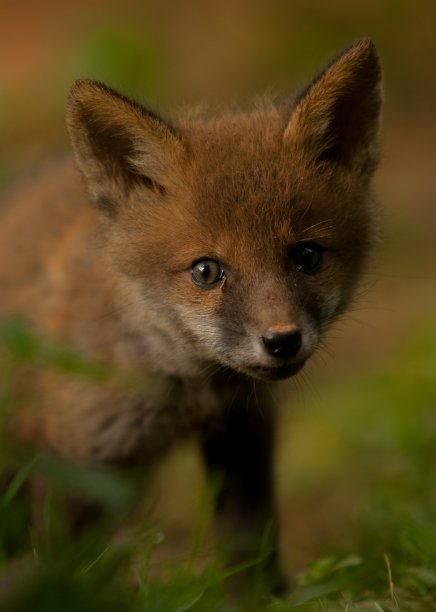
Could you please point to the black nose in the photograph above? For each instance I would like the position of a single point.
(283, 344)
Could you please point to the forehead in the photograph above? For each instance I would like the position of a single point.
(243, 178)
(239, 167)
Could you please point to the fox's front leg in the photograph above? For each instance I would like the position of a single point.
(239, 454)
(94, 425)
(91, 425)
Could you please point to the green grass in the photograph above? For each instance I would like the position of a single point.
(381, 428)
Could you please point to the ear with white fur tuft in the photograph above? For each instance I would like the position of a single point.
(119, 144)
(336, 118)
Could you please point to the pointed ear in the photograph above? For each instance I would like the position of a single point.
(119, 144)
(336, 118)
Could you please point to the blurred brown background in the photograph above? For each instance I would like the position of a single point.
(170, 54)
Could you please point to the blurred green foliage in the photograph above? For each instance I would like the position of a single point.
(121, 57)
(385, 425)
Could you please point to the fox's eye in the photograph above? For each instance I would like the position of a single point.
(206, 272)
(307, 257)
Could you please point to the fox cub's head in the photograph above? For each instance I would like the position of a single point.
(244, 235)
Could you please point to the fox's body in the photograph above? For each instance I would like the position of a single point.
(216, 254)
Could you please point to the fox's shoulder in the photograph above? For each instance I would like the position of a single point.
(38, 214)
(38, 189)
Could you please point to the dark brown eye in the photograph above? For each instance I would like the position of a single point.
(206, 272)
(307, 257)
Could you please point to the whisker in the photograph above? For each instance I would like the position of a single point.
(325, 223)
(257, 403)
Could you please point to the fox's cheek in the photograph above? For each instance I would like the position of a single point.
(204, 300)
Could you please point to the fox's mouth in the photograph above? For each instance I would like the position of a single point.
(279, 372)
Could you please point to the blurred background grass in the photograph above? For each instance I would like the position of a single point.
(356, 458)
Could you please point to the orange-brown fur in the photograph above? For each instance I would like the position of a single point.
(114, 280)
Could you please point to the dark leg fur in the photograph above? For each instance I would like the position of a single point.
(239, 455)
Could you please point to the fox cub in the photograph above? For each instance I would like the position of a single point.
(209, 254)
